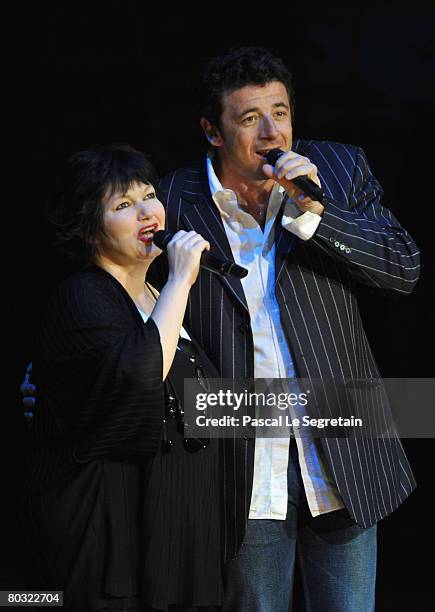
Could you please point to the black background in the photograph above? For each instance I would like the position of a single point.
(94, 73)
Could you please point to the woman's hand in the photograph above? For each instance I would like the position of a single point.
(184, 254)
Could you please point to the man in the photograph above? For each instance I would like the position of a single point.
(295, 314)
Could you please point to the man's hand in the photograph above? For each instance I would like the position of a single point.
(28, 392)
(289, 166)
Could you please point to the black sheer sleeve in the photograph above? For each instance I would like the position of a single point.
(98, 369)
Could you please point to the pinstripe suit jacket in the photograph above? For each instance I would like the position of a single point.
(357, 240)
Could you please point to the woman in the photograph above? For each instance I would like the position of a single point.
(122, 509)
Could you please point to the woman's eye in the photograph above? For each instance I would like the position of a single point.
(149, 196)
(122, 205)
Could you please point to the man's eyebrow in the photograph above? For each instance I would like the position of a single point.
(255, 109)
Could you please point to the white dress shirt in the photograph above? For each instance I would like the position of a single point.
(254, 249)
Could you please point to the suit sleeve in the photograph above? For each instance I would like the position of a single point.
(367, 238)
(99, 373)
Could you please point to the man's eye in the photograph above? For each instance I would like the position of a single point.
(281, 114)
(122, 205)
(249, 120)
(149, 196)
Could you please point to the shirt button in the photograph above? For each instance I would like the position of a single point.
(336, 244)
(342, 247)
(347, 250)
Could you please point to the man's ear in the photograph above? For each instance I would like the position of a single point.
(211, 132)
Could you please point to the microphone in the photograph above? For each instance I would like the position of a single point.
(305, 184)
(210, 262)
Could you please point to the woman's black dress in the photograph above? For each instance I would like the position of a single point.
(113, 521)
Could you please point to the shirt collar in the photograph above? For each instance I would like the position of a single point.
(213, 181)
(226, 199)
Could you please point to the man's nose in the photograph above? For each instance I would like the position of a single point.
(268, 127)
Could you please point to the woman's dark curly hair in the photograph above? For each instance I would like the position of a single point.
(235, 69)
(76, 207)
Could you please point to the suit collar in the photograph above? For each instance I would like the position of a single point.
(202, 215)
(284, 243)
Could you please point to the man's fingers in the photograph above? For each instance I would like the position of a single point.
(27, 389)
(28, 373)
(291, 165)
(268, 171)
(297, 170)
(29, 402)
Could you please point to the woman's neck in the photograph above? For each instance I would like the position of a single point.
(132, 278)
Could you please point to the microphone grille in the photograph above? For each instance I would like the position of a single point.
(162, 238)
(273, 155)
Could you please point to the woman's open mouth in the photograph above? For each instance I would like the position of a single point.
(146, 233)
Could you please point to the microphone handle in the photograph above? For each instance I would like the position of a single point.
(210, 262)
(225, 267)
(310, 189)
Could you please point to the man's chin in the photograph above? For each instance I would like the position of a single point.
(255, 173)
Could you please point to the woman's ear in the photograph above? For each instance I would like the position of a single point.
(211, 132)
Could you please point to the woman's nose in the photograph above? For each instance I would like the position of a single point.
(144, 210)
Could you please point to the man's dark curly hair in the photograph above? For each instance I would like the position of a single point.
(236, 68)
(76, 207)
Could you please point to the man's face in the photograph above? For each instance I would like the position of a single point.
(255, 119)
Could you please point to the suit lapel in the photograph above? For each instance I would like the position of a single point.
(284, 243)
(200, 213)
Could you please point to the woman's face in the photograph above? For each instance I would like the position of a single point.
(130, 221)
